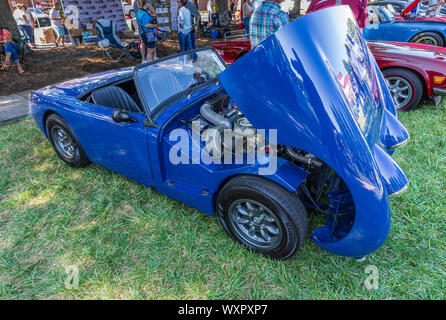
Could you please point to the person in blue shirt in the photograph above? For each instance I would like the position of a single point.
(147, 31)
(151, 8)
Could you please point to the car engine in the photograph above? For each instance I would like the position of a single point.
(220, 114)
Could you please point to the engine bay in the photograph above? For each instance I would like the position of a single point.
(223, 127)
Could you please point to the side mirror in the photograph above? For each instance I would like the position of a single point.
(122, 116)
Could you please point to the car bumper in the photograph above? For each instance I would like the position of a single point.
(438, 95)
(439, 91)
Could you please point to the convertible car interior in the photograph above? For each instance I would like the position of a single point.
(122, 95)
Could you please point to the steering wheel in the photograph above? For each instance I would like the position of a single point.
(200, 77)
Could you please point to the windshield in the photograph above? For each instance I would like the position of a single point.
(161, 81)
(385, 15)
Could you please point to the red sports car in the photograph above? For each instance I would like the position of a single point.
(413, 72)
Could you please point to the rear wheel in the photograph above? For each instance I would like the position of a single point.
(429, 38)
(64, 142)
(263, 216)
(405, 86)
(132, 14)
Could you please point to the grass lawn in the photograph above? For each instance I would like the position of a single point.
(129, 241)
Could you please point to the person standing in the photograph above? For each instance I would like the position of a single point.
(150, 9)
(247, 11)
(25, 23)
(147, 31)
(196, 21)
(359, 8)
(57, 23)
(210, 10)
(184, 26)
(266, 20)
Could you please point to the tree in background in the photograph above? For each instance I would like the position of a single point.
(6, 18)
(221, 6)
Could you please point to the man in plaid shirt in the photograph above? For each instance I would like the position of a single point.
(266, 20)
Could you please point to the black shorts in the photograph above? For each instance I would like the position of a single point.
(151, 44)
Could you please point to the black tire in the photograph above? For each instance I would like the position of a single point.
(430, 38)
(132, 14)
(290, 223)
(407, 79)
(67, 148)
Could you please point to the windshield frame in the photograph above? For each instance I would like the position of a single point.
(151, 113)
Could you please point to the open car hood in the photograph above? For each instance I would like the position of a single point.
(412, 6)
(316, 82)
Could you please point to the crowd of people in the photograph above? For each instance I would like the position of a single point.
(146, 17)
(259, 23)
(268, 18)
(26, 25)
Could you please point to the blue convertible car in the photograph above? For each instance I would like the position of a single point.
(312, 122)
(384, 26)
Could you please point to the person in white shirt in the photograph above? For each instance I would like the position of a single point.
(184, 26)
(247, 11)
(57, 22)
(25, 23)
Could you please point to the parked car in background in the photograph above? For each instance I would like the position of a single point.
(398, 6)
(326, 146)
(413, 72)
(384, 26)
(129, 11)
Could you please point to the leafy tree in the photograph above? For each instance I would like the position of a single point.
(6, 18)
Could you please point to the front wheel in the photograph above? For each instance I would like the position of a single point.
(405, 86)
(132, 14)
(64, 142)
(263, 216)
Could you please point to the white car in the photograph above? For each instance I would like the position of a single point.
(128, 10)
(42, 23)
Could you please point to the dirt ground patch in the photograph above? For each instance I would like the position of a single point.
(82, 60)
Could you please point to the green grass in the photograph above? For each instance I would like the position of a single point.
(129, 241)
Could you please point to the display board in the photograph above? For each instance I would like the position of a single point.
(88, 10)
(163, 15)
(174, 14)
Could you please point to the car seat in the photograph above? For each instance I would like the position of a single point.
(116, 98)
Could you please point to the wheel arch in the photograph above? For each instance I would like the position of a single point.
(288, 176)
(431, 31)
(418, 73)
(46, 114)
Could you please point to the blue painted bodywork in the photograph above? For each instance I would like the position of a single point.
(323, 93)
(402, 30)
(327, 97)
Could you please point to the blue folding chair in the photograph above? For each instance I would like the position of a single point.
(109, 40)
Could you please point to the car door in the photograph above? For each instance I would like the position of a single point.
(118, 146)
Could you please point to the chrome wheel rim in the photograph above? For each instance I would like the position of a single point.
(255, 224)
(62, 141)
(401, 90)
(428, 40)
